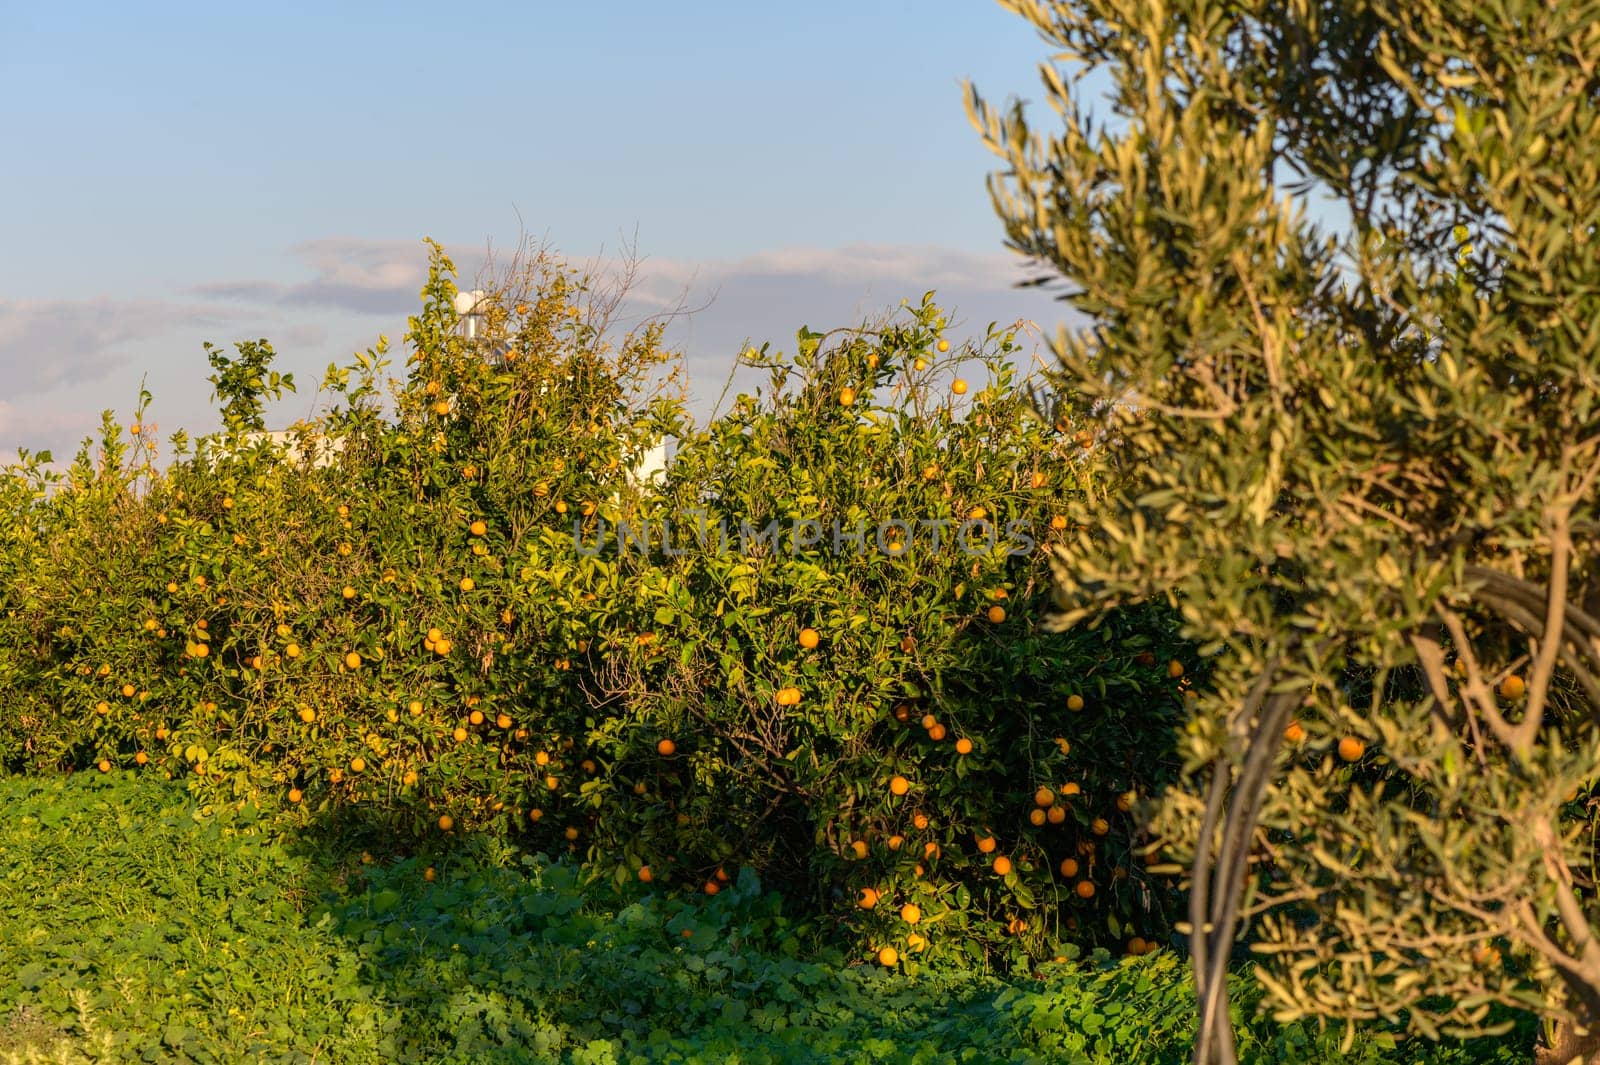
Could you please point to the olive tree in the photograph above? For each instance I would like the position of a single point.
(1338, 270)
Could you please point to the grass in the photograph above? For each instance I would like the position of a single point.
(136, 927)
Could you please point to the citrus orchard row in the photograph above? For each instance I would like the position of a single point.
(434, 628)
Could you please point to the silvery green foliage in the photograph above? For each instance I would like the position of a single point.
(1338, 266)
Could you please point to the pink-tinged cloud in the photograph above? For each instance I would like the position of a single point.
(48, 344)
(715, 307)
(378, 277)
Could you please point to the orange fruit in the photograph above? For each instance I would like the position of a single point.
(466, 584)
(535, 814)
(1069, 867)
(930, 849)
(1038, 480)
(102, 707)
(1136, 946)
(888, 957)
(1002, 865)
(919, 822)
(1125, 802)
(788, 696)
(1074, 703)
(1513, 687)
(571, 833)
(429, 875)
(1056, 814)
(1071, 788)
(937, 733)
(1044, 798)
(895, 842)
(1037, 817)
(292, 651)
(295, 794)
(128, 690)
(645, 875)
(104, 766)
(986, 845)
(928, 721)
(859, 848)
(459, 735)
(847, 396)
(1295, 733)
(357, 764)
(666, 748)
(446, 822)
(141, 758)
(899, 785)
(963, 746)
(502, 721)
(352, 661)
(1085, 889)
(1351, 749)
(712, 887)
(478, 528)
(910, 914)
(809, 638)
(997, 614)
(943, 345)
(307, 714)
(868, 898)
(959, 387)
(1100, 826)
(1174, 669)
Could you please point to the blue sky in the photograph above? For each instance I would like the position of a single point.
(182, 172)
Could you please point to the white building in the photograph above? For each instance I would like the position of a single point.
(297, 441)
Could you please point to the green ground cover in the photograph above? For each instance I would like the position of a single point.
(135, 926)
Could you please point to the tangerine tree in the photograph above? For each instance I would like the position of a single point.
(1338, 267)
(816, 652)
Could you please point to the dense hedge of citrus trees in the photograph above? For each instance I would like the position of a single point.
(810, 649)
